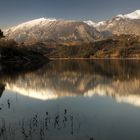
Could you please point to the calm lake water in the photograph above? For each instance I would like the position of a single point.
(71, 100)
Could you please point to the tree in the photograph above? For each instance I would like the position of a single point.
(1, 34)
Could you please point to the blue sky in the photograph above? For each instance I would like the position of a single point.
(13, 12)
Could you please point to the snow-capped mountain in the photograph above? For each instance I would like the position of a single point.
(59, 30)
(120, 24)
(133, 15)
(43, 29)
(33, 23)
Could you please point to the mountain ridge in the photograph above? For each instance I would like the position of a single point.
(51, 29)
(120, 24)
(118, 37)
(60, 30)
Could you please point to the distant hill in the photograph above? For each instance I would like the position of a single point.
(10, 52)
(123, 46)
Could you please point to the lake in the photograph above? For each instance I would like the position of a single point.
(71, 100)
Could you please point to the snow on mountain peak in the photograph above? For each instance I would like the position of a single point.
(132, 15)
(32, 23)
(90, 22)
(94, 24)
(100, 23)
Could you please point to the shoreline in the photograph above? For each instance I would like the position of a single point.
(95, 58)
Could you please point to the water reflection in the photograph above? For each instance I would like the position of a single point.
(118, 79)
(72, 99)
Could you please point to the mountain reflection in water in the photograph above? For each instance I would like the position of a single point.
(118, 79)
(65, 87)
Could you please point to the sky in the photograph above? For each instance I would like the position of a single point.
(13, 12)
